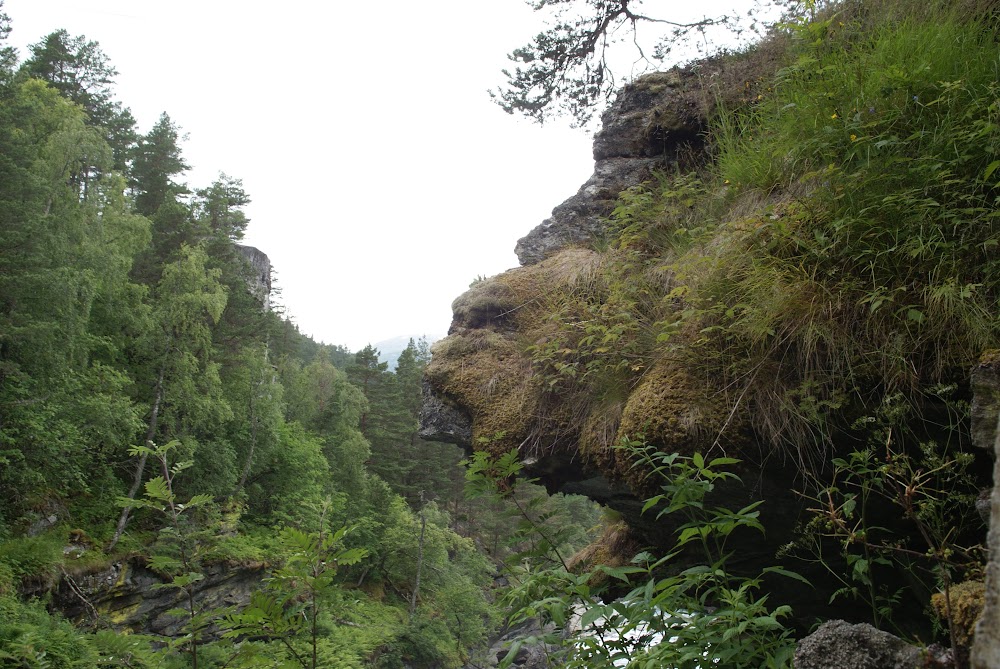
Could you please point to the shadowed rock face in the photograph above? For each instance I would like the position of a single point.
(443, 421)
(986, 432)
(127, 595)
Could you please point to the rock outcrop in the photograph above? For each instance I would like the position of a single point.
(986, 424)
(259, 281)
(840, 645)
(515, 371)
(656, 122)
(482, 389)
(125, 594)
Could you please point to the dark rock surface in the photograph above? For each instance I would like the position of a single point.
(985, 381)
(442, 421)
(986, 645)
(125, 595)
(656, 121)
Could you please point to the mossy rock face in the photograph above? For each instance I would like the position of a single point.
(484, 373)
(967, 600)
(131, 598)
(481, 366)
(615, 547)
(487, 303)
(678, 412)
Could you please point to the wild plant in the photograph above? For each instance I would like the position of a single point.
(180, 545)
(676, 615)
(891, 508)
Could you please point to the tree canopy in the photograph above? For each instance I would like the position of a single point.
(574, 64)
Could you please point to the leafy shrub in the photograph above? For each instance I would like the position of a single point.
(708, 615)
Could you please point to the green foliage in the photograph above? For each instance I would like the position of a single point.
(178, 552)
(58, 280)
(537, 526)
(884, 133)
(156, 162)
(297, 593)
(840, 256)
(934, 492)
(32, 639)
(125, 318)
(81, 72)
(568, 67)
(37, 558)
(709, 615)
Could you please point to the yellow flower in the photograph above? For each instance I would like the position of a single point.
(726, 182)
(854, 138)
(834, 115)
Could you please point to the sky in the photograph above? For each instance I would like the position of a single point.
(383, 178)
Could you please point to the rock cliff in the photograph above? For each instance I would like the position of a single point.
(483, 388)
(131, 597)
(550, 358)
(259, 279)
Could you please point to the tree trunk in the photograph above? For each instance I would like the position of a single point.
(420, 557)
(141, 465)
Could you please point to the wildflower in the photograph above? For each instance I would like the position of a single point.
(854, 138)
(834, 115)
(726, 182)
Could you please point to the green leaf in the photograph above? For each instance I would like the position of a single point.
(720, 462)
(651, 502)
(352, 556)
(789, 574)
(187, 579)
(156, 488)
(990, 169)
(199, 500)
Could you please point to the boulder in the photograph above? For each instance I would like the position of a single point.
(840, 645)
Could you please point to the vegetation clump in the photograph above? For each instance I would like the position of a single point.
(816, 293)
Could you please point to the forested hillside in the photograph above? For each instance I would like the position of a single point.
(185, 478)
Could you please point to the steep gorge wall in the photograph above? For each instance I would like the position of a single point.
(484, 390)
(481, 390)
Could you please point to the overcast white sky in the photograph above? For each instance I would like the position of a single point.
(383, 178)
